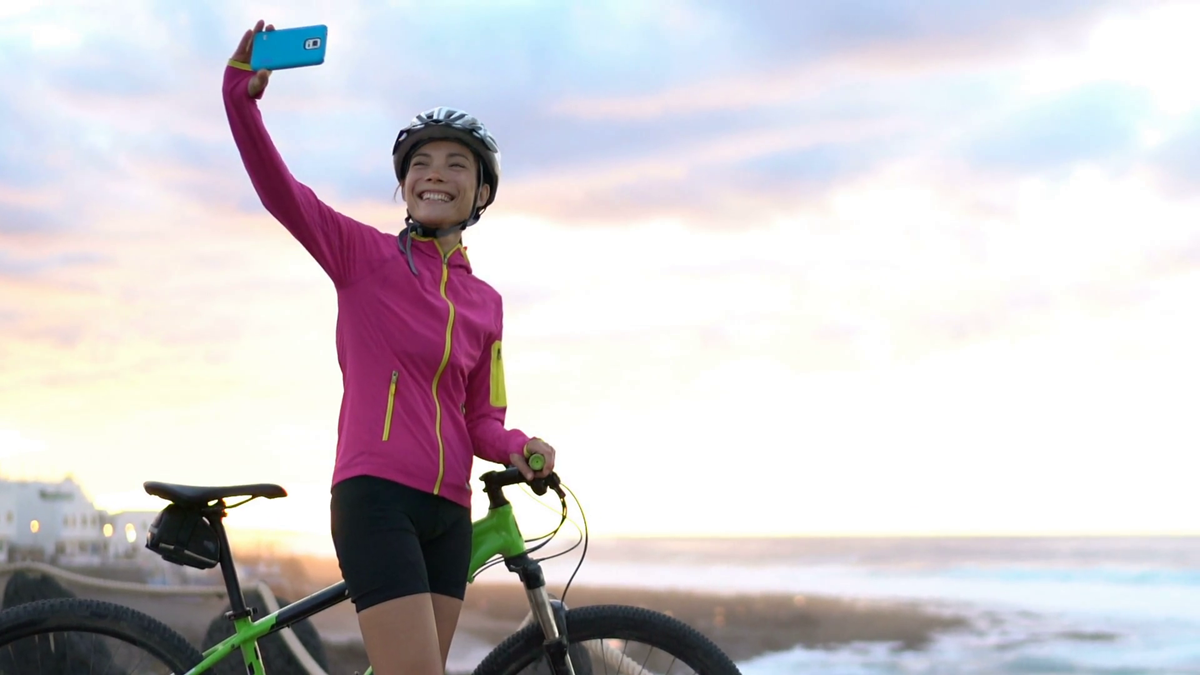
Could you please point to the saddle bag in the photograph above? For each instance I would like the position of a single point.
(182, 536)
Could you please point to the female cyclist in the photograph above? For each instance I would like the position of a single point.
(419, 345)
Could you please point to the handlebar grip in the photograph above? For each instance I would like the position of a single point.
(537, 461)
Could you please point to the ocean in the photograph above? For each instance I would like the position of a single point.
(1037, 605)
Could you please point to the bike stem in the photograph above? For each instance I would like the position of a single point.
(550, 614)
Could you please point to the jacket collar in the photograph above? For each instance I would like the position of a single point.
(427, 246)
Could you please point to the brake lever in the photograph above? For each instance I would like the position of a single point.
(540, 485)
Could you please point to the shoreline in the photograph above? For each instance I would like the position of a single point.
(748, 625)
(744, 625)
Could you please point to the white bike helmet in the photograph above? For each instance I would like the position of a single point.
(444, 123)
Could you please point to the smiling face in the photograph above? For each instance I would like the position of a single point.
(439, 188)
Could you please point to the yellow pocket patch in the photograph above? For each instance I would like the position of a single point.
(498, 397)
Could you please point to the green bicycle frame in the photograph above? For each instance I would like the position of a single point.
(494, 534)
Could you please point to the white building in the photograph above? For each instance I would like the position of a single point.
(57, 523)
(128, 530)
(54, 521)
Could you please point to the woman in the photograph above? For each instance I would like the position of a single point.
(419, 345)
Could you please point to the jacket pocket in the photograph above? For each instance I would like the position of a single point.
(498, 398)
(391, 405)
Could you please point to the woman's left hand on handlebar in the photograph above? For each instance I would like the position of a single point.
(535, 446)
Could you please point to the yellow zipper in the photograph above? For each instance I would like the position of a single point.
(445, 359)
(387, 422)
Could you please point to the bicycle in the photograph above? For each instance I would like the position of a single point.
(190, 531)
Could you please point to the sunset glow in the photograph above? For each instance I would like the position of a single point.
(928, 272)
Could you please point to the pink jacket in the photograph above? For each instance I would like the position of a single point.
(422, 368)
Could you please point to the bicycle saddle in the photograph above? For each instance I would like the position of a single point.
(197, 495)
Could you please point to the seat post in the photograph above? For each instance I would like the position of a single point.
(237, 602)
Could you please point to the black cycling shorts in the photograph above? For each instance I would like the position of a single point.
(393, 541)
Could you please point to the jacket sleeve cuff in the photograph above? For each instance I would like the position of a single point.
(517, 442)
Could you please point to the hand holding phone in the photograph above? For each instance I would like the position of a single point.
(242, 54)
(267, 49)
(288, 48)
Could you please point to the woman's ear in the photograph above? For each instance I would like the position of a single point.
(399, 189)
(485, 191)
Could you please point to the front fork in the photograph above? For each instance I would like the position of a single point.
(550, 614)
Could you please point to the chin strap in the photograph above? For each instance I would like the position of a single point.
(412, 227)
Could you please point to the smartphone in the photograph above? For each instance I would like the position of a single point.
(289, 48)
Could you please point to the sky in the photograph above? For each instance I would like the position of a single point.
(769, 267)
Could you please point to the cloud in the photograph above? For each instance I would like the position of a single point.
(899, 263)
(637, 151)
(1177, 157)
(1096, 123)
(631, 179)
(706, 180)
(706, 165)
(19, 221)
(169, 178)
(826, 26)
(521, 108)
(30, 155)
(12, 266)
(13, 443)
(10, 318)
(790, 52)
(914, 76)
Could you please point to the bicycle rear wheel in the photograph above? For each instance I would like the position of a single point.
(614, 640)
(76, 635)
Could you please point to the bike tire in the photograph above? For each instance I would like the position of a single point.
(81, 615)
(523, 649)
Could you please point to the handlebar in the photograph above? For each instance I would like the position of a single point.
(494, 482)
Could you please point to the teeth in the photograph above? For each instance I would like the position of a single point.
(436, 197)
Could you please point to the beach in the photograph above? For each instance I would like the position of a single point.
(744, 625)
(971, 606)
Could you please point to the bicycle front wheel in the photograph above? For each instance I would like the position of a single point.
(76, 635)
(614, 640)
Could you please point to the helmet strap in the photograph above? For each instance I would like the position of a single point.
(413, 227)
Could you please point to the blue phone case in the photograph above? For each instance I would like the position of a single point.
(289, 48)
